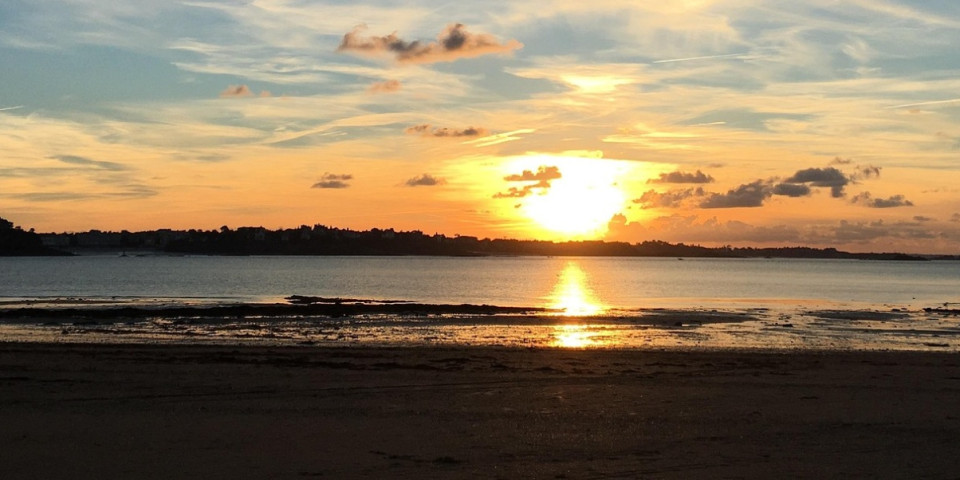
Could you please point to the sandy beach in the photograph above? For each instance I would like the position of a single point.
(194, 411)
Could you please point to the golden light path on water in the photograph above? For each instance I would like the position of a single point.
(572, 293)
(573, 296)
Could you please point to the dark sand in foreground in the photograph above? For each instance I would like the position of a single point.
(142, 411)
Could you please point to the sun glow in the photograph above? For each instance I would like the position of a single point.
(581, 202)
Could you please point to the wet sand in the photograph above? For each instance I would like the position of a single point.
(195, 411)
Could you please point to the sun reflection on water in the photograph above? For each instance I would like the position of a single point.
(572, 294)
(572, 336)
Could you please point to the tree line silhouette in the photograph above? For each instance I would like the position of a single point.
(324, 240)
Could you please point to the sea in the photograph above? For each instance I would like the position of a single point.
(594, 302)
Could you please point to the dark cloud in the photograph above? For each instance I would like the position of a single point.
(921, 218)
(332, 180)
(822, 177)
(454, 43)
(443, 132)
(681, 177)
(514, 192)
(75, 160)
(425, 180)
(799, 184)
(668, 199)
(387, 86)
(791, 190)
(892, 202)
(541, 180)
(543, 173)
(747, 195)
(868, 171)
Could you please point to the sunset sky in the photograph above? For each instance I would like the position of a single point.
(741, 122)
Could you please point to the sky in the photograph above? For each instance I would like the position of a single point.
(712, 122)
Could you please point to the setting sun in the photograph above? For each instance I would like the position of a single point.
(575, 207)
(575, 197)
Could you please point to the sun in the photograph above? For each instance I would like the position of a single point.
(581, 202)
(575, 208)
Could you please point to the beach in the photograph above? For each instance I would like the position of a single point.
(227, 411)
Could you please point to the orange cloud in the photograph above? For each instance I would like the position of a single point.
(234, 91)
(240, 91)
(454, 43)
(441, 132)
(388, 86)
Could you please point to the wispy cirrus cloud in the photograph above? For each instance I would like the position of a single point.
(386, 86)
(426, 130)
(499, 138)
(83, 161)
(737, 56)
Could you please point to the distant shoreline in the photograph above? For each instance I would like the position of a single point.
(321, 240)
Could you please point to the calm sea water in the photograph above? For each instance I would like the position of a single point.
(613, 283)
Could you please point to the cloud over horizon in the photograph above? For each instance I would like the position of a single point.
(866, 199)
(453, 43)
(668, 199)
